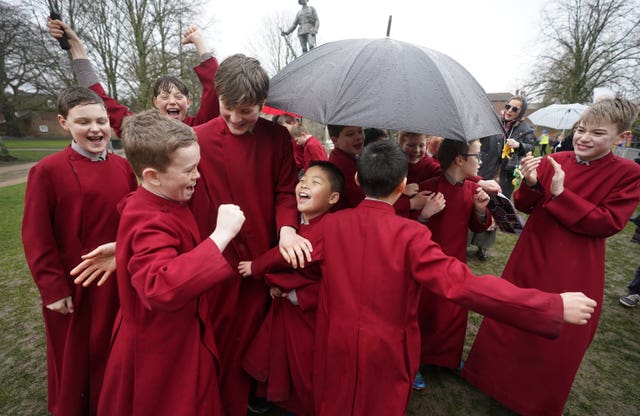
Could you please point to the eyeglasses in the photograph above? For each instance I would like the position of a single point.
(476, 155)
(509, 107)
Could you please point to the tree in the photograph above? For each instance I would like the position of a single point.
(588, 44)
(271, 48)
(21, 57)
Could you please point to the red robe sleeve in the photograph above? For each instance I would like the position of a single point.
(40, 247)
(529, 309)
(209, 104)
(313, 150)
(167, 281)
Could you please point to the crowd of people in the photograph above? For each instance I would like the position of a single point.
(228, 264)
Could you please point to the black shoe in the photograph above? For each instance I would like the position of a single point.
(482, 254)
(259, 406)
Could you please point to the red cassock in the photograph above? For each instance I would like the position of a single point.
(425, 168)
(443, 324)
(70, 209)
(163, 360)
(367, 336)
(529, 374)
(352, 194)
(256, 172)
(281, 355)
(313, 150)
(209, 105)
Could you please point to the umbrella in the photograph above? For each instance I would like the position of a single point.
(277, 112)
(387, 84)
(558, 116)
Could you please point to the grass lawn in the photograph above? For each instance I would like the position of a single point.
(31, 150)
(605, 385)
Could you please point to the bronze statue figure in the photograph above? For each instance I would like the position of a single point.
(307, 23)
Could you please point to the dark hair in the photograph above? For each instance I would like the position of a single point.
(336, 177)
(448, 151)
(381, 168)
(150, 138)
(75, 96)
(241, 80)
(166, 82)
(335, 129)
(372, 134)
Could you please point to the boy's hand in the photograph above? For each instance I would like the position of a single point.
(480, 201)
(411, 189)
(58, 28)
(99, 262)
(577, 307)
(275, 292)
(434, 204)
(244, 268)
(228, 224)
(63, 306)
(557, 182)
(528, 169)
(418, 200)
(191, 35)
(294, 248)
(490, 186)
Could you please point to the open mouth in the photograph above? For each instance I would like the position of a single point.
(303, 197)
(173, 113)
(95, 139)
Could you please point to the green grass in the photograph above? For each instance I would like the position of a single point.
(605, 385)
(31, 143)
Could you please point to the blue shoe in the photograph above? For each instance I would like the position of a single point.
(419, 383)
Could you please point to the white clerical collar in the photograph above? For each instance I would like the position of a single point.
(92, 156)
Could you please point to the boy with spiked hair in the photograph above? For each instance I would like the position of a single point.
(373, 264)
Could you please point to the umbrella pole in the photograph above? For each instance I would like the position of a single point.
(389, 25)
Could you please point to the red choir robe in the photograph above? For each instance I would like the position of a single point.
(352, 194)
(529, 374)
(281, 354)
(425, 168)
(70, 209)
(209, 105)
(367, 335)
(443, 324)
(163, 360)
(256, 172)
(313, 150)
(298, 155)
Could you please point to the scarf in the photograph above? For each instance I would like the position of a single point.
(509, 126)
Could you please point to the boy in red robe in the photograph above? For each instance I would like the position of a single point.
(443, 324)
(348, 142)
(575, 201)
(170, 94)
(70, 208)
(247, 161)
(312, 149)
(281, 355)
(164, 360)
(373, 263)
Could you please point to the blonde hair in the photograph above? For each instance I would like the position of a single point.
(298, 130)
(150, 138)
(403, 136)
(619, 111)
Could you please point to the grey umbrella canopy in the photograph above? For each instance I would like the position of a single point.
(387, 84)
(558, 116)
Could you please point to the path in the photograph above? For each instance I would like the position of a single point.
(14, 174)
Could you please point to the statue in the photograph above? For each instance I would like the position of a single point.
(307, 22)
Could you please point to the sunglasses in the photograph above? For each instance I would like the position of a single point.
(508, 107)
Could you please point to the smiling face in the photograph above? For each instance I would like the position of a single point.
(314, 196)
(350, 140)
(594, 140)
(512, 109)
(172, 103)
(178, 181)
(240, 119)
(89, 127)
(415, 147)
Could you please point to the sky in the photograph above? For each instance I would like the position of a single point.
(495, 40)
